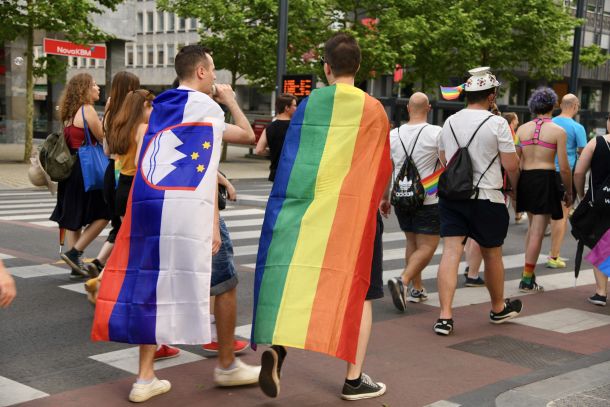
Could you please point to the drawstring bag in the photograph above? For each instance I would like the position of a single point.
(93, 161)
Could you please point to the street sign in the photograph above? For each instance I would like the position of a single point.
(299, 85)
(70, 49)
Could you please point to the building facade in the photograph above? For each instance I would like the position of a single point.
(148, 39)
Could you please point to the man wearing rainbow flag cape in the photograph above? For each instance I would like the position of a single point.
(420, 141)
(319, 259)
(156, 286)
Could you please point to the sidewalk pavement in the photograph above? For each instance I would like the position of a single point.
(14, 172)
(556, 354)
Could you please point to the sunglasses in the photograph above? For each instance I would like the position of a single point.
(322, 60)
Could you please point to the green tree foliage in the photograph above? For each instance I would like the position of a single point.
(435, 39)
(70, 17)
(508, 35)
(243, 34)
(593, 56)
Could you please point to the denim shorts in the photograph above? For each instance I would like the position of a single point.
(224, 277)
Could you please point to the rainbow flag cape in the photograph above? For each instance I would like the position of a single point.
(451, 92)
(599, 256)
(316, 246)
(156, 285)
(430, 183)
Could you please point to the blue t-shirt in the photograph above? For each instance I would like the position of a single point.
(577, 138)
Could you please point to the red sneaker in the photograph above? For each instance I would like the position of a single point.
(166, 352)
(238, 346)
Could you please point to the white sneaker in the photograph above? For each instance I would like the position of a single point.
(240, 375)
(143, 392)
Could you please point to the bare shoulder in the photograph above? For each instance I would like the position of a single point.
(557, 130)
(526, 128)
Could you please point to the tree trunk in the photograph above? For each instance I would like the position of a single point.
(29, 94)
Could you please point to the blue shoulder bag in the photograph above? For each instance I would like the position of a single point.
(93, 161)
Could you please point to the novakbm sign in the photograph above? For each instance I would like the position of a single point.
(70, 49)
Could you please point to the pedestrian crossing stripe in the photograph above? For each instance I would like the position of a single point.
(127, 359)
(471, 296)
(20, 211)
(40, 270)
(12, 392)
(25, 193)
(510, 262)
(565, 320)
(26, 207)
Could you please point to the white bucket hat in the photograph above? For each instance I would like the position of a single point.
(481, 79)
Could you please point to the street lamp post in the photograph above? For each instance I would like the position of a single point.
(282, 44)
(580, 13)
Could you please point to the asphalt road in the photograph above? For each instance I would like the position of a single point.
(44, 335)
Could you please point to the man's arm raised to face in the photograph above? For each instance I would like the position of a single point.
(241, 132)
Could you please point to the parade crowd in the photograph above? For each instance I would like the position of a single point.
(453, 183)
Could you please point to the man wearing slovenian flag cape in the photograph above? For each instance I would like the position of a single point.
(156, 287)
(319, 258)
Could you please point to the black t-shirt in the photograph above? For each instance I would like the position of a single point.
(600, 162)
(276, 133)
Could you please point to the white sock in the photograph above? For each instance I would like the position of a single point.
(230, 367)
(142, 381)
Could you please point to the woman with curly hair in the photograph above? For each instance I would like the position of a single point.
(539, 192)
(83, 214)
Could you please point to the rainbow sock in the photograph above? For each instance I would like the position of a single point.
(528, 273)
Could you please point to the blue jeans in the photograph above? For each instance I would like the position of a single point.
(223, 269)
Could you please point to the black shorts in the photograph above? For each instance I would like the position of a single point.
(540, 192)
(376, 284)
(424, 221)
(480, 219)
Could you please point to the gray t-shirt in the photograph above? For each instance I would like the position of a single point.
(493, 137)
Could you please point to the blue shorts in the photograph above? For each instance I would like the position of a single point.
(224, 277)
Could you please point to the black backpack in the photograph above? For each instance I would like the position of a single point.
(456, 182)
(408, 193)
(54, 156)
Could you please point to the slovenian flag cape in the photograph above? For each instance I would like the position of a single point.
(316, 246)
(156, 284)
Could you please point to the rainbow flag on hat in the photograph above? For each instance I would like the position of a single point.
(430, 183)
(599, 256)
(316, 246)
(451, 92)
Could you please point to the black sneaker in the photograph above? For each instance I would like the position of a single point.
(443, 326)
(531, 287)
(511, 310)
(73, 258)
(367, 389)
(474, 282)
(397, 289)
(271, 366)
(598, 300)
